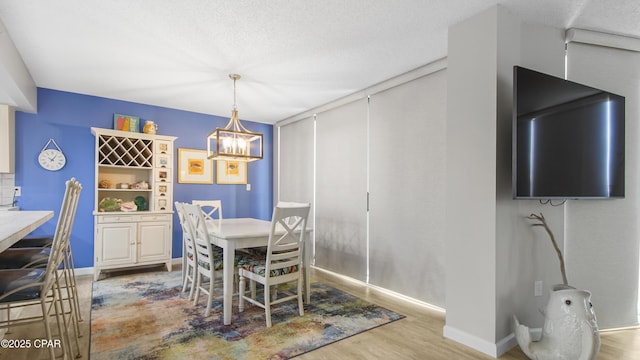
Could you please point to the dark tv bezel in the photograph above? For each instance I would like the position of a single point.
(514, 169)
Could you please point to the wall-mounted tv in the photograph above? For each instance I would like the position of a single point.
(568, 139)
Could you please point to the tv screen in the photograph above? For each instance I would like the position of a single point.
(568, 139)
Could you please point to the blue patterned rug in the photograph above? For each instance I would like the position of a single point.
(145, 316)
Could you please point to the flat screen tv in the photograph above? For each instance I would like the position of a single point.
(568, 139)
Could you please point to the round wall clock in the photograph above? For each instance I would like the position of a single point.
(52, 159)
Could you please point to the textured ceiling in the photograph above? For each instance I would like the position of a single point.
(293, 55)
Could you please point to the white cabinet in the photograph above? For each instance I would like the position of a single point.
(152, 241)
(116, 245)
(7, 139)
(137, 169)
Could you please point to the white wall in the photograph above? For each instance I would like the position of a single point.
(493, 254)
(471, 182)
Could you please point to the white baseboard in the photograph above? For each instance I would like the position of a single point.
(84, 271)
(176, 261)
(484, 346)
(90, 271)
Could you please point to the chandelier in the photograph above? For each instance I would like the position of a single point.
(234, 141)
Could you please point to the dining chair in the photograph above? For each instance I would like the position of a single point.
(210, 208)
(189, 254)
(37, 257)
(283, 261)
(209, 261)
(43, 287)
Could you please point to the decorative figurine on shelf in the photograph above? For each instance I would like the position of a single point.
(140, 185)
(109, 204)
(141, 203)
(150, 127)
(128, 206)
(104, 184)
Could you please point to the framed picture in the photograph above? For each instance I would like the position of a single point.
(194, 167)
(231, 172)
(126, 123)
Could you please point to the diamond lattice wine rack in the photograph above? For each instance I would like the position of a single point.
(125, 151)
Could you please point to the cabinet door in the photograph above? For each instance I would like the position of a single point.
(154, 241)
(116, 244)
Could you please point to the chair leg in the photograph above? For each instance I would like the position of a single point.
(47, 328)
(267, 305)
(252, 288)
(193, 284)
(210, 296)
(241, 293)
(8, 319)
(74, 285)
(74, 309)
(197, 294)
(300, 292)
(67, 322)
(185, 279)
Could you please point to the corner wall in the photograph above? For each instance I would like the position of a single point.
(493, 255)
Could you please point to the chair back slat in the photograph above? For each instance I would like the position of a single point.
(210, 208)
(187, 231)
(62, 233)
(202, 245)
(286, 239)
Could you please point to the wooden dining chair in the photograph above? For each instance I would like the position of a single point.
(283, 261)
(210, 209)
(189, 254)
(209, 262)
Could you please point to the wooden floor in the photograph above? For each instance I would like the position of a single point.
(418, 336)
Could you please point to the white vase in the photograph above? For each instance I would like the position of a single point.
(570, 329)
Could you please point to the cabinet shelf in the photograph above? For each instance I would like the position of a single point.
(125, 190)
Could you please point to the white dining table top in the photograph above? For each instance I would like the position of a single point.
(14, 225)
(240, 228)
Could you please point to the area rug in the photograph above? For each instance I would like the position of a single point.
(145, 316)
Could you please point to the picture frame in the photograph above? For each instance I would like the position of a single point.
(231, 172)
(194, 167)
(126, 123)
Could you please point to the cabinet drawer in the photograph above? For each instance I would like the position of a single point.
(163, 146)
(163, 190)
(163, 175)
(132, 218)
(155, 217)
(116, 219)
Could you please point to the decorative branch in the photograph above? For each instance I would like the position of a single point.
(543, 223)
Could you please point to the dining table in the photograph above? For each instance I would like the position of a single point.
(15, 225)
(244, 233)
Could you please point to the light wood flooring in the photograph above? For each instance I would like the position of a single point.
(418, 336)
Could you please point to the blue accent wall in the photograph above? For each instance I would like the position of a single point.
(68, 118)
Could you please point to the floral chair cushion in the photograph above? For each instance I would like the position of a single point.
(258, 266)
(218, 264)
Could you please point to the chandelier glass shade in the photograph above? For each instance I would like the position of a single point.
(234, 142)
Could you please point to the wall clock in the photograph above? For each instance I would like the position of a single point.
(52, 159)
